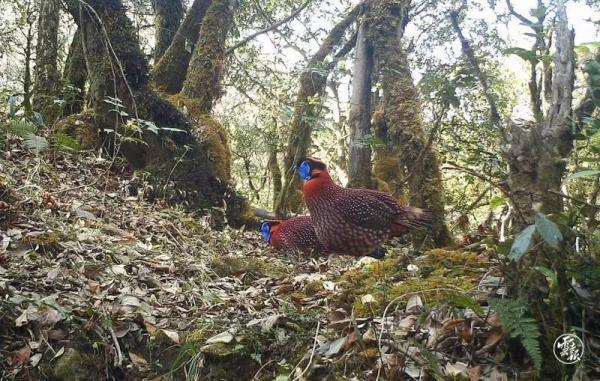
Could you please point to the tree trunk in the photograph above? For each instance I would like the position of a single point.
(117, 70)
(74, 76)
(169, 72)
(28, 58)
(47, 78)
(402, 115)
(275, 174)
(312, 84)
(359, 166)
(203, 79)
(168, 14)
(537, 154)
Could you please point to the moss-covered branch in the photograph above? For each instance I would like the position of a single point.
(402, 112)
(170, 71)
(203, 79)
(312, 84)
(168, 14)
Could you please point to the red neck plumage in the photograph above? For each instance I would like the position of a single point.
(317, 185)
(275, 240)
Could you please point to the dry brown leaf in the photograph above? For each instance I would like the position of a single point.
(172, 335)
(138, 360)
(19, 357)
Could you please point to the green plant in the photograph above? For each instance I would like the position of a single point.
(547, 229)
(25, 127)
(517, 326)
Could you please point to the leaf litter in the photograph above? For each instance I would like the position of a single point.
(91, 272)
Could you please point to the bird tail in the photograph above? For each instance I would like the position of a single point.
(411, 218)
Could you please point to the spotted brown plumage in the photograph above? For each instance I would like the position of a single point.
(296, 233)
(354, 221)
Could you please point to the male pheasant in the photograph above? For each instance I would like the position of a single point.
(296, 233)
(354, 221)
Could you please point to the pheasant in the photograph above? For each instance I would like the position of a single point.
(295, 233)
(354, 221)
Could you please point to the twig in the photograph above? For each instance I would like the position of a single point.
(119, 360)
(260, 369)
(470, 55)
(573, 199)
(269, 28)
(385, 311)
(312, 354)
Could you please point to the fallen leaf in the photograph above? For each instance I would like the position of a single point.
(367, 299)
(19, 357)
(35, 359)
(223, 337)
(174, 336)
(414, 305)
(58, 353)
(138, 360)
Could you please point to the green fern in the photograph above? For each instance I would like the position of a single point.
(36, 143)
(516, 325)
(21, 127)
(65, 141)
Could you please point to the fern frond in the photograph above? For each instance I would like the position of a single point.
(516, 325)
(36, 143)
(21, 127)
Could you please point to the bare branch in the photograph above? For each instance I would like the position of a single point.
(522, 18)
(269, 28)
(468, 52)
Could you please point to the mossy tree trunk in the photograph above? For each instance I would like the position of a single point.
(74, 76)
(117, 69)
(537, 158)
(167, 19)
(28, 58)
(537, 155)
(275, 174)
(203, 80)
(402, 112)
(47, 78)
(307, 107)
(359, 165)
(170, 71)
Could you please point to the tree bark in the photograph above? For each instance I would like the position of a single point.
(75, 76)
(402, 115)
(184, 161)
(168, 14)
(275, 174)
(47, 77)
(27, 82)
(203, 79)
(312, 84)
(169, 72)
(359, 166)
(537, 155)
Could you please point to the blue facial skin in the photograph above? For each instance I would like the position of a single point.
(304, 170)
(265, 230)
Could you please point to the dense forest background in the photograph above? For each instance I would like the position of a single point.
(148, 137)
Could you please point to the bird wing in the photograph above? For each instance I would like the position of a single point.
(366, 209)
(378, 210)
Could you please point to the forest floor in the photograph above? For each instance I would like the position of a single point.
(97, 283)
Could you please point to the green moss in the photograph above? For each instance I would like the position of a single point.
(386, 280)
(311, 288)
(73, 366)
(82, 127)
(231, 265)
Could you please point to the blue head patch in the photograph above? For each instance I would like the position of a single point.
(304, 170)
(265, 230)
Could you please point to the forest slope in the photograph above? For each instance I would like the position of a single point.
(95, 280)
